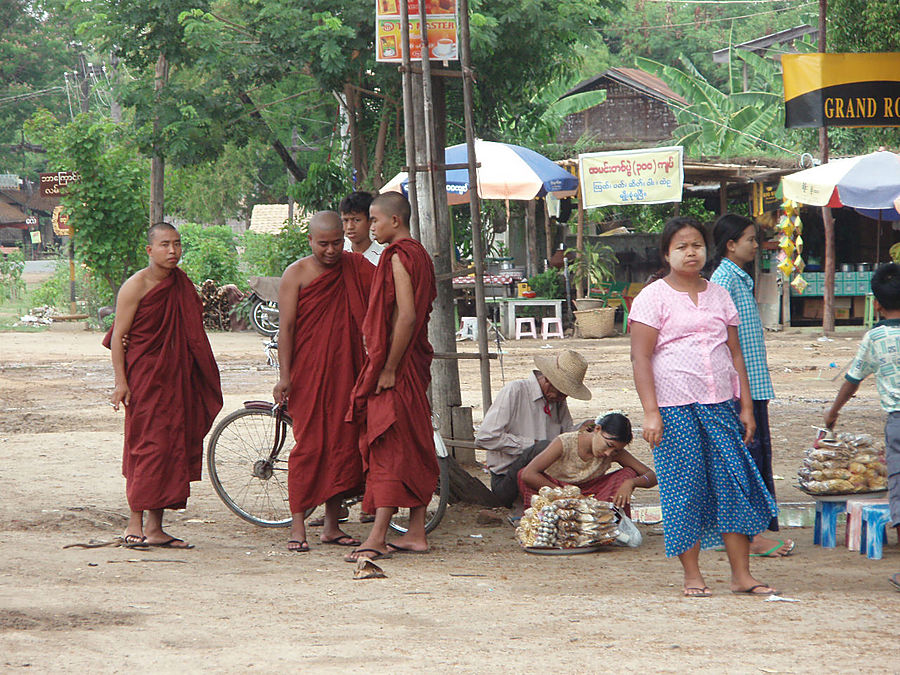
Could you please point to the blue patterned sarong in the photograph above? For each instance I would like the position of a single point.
(708, 483)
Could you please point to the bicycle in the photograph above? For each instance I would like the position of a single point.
(249, 471)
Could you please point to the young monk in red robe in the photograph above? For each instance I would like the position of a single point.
(322, 301)
(169, 383)
(389, 399)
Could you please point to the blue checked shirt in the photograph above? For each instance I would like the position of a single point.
(750, 331)
(879, 353)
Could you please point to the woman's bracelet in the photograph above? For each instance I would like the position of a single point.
(644, 475)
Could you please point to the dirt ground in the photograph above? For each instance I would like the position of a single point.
(241, 602)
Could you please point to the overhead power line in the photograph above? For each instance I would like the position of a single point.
(696, 22)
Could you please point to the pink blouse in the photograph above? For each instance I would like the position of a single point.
(691, 361)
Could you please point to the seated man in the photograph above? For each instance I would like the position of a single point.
(527, 414)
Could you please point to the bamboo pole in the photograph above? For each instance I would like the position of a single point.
(409, 138)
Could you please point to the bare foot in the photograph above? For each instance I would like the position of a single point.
(751, 586)
(339, 538)
(764, 547)
(369, 549)
(695, 587)
(297, 546)
(407, 544)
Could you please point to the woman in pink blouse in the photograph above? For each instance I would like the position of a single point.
(688, 369)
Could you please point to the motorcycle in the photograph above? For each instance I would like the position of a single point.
(264, 304)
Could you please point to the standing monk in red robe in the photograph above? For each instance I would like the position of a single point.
(322, 303)
(389, 400)
(169, 383)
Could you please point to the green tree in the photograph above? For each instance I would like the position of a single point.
(107, 207)
(210, 253)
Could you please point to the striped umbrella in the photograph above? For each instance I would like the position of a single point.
(507, 172)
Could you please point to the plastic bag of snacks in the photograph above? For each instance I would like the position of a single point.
(843, 464)
(564, 518)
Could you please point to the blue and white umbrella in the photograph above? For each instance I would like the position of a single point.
(506, 172)
(869, 184)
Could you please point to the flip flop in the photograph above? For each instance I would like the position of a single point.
(169, 542)
(302, 546)
(895, 581)
(134, 541)
(703, 592)
(378, 555)
(402, 549)
(768, 554)
(752, 591)
(343, 540)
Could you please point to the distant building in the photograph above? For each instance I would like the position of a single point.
(635, 113)
(270, 218)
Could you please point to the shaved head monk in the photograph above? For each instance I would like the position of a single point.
(168, 382)
(389, 400)
(322, 303)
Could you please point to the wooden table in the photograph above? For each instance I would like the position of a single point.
(509, 306)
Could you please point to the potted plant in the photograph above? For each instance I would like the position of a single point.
(592, 267)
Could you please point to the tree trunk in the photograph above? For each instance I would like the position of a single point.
(378, 164)
(277, 145)
(467, 489)
(157, 161)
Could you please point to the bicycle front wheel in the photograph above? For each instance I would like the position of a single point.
(247, 475)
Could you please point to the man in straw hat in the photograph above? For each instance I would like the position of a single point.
(528, 414)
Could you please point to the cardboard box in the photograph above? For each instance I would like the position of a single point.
(859, 308)
(813, 308)
(842, 308)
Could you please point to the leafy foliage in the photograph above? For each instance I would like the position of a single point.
(593, 266)
(107, 207)
(55, 291)
(725, 124)
(210, 253)
(323, 188)
(548, 284)
(11, 267)
(268, 255)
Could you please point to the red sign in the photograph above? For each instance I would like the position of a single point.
(54, 184)
(61, 222)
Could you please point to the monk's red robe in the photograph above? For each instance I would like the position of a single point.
(175, 395)
(396, 437)
(327, 358)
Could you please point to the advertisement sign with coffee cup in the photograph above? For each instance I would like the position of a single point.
(440, 22)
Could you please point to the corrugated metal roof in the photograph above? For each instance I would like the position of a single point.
(635, 78)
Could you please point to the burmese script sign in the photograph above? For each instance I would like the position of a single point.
(54, 184)
(60, 222)
(841, 90)
(440, 19)
(651, 176)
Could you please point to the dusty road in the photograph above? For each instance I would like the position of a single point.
(241, 602)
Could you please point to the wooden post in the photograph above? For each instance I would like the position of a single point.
(409, 123)
(157, 162)
(579, 240)
(445, 391)
(723, 197)
(827, 217)
(468, 76)
(531, 255)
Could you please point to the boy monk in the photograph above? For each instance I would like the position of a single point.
(389, 400)
(168, 381)
(322, 300)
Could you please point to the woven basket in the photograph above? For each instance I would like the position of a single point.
(596, 323)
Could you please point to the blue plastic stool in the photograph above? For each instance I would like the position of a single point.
(873, 522)
(826, 522)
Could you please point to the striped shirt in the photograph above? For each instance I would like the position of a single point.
(739, 285)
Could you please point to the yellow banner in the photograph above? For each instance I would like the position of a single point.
(651, 176)
(841, 90)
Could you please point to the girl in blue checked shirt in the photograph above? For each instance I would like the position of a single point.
(736, 244)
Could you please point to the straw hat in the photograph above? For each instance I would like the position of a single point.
(565, 370)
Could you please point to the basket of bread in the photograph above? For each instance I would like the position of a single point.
(843, 464)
